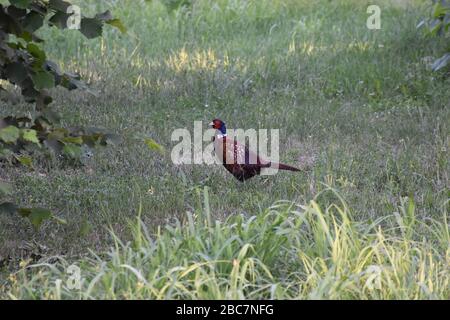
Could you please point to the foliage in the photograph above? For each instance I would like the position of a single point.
(438, 25)
(24, 64)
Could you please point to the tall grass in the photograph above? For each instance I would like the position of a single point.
(288, 251)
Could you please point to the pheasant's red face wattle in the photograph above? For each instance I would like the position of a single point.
(217, 123)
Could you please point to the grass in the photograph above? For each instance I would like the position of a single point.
(357, 109)
(288, 251)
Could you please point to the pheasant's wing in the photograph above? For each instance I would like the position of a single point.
(233, 152)
(254, 159)
(226, 151)
(241, 162)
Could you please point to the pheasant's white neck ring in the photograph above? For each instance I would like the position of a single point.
(220, 135)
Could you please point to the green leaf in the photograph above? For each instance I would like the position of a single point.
(8, 207)
(153, 145)
(30, 135)
(33, 21)
(43, 80)
(91, 27)
(72, 151)
(57, 134)
(59, 19)
(36, 215)
(36, 52)
(26, 161)
(118, 24)
(10, 134)
(22, 4)
(439, 10)
(59, 5)
(27, 36)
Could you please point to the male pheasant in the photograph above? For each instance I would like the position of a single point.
(235, 157)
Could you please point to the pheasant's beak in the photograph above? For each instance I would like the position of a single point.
(211, 124)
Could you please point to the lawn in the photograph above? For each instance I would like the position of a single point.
(358, 110)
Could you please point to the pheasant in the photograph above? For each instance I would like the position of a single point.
(235, 157)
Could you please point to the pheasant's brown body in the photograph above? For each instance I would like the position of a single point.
(241, 162)
(238, 159)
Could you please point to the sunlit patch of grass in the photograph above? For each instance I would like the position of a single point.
(195, 61)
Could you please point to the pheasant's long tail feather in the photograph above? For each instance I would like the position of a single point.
(282, 166)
